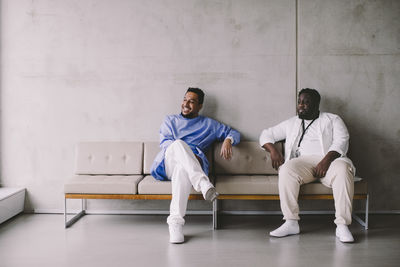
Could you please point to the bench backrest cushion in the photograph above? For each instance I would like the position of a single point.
(152, 148)
(150, 152)
(109, 158)
(248, 158)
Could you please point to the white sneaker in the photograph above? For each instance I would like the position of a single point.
(290, 227)
(175, 233)
(209, 192)
(344, 234)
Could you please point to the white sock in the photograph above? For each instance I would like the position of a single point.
(290, 227)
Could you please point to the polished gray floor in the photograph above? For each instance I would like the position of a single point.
(142, 240)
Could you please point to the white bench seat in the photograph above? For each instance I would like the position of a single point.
(268, 185)
(149, 185)
(102, 184)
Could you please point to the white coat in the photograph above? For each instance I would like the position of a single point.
(332, 133)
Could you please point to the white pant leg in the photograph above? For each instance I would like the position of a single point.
(179, 153)
(340, 178)
(181, 188)
(184, 171)
(292, 174)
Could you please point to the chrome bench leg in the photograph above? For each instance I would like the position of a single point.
(77, 216)
(358, 219)
(366, 212)
(215, 214)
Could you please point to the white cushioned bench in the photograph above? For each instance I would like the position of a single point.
(107, 168)
(249, 175)
(121, 170)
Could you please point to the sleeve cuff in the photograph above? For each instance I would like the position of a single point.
(230, 138)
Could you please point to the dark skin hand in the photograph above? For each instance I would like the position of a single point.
(323, 166)
(276, 156)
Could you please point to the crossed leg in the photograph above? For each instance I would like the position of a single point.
(185, 172)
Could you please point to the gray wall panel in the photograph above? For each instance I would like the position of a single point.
(111, 70)
(349, 50)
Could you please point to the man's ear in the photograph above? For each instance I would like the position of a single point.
(201, 106)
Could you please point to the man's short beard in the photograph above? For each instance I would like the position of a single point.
(303, 116)
(188, 116)
(307, 116)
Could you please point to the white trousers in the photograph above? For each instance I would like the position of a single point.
(184, 171)
(298, 171)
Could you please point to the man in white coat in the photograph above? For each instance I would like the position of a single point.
(315, 148)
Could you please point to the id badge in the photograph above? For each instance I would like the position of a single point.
(297, 153)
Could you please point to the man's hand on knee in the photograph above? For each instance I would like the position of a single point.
(321, 169)
(323, 166)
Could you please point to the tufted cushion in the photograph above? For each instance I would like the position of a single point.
(109, 158)
(318, 188)
(150, 152)
(248, 158)
(102, 184)
(150, 185)
(268, 185)
(247, 185)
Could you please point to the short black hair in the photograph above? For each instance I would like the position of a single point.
(315, 96)
(198, 92)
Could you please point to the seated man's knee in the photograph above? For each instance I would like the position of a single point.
(178, 142)
(288, 168)
(341, 170)
(287, 171)
(283, 170)
(341, 167)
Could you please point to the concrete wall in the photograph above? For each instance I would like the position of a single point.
(111, 70)
(350, 50)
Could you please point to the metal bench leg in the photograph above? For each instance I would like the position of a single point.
(215, 214)
(359, 220)
(77, 216)
(366, 212)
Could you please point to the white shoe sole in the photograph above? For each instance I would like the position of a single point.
(176, 241)
(274, 235)
(344, 240)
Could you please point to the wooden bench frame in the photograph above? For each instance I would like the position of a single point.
(84, 197)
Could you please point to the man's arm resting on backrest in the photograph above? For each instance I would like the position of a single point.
(276, 156)
(270, 136)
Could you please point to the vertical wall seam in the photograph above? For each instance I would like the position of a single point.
(296, 52)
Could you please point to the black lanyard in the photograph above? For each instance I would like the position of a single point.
(304, 130)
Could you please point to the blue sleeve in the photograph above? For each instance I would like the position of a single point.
(166, 138)
(223, 131)
(166, 134)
